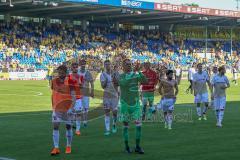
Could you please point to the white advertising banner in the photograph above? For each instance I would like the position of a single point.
(214, 4)
(27, 75)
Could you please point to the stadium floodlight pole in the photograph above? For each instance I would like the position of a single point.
(206, 42)
(231, 41)
(237, 4)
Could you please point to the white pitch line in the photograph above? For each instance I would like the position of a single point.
(37, 93)
(90, 120)
(12, 94)
(30, 114)
(20, 115)
(4, 158)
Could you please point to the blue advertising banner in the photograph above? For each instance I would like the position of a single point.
(137, 4)
(119, 3)
(86, 1)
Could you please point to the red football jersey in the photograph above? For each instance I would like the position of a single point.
(152, 77)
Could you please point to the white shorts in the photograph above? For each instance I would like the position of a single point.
(235, 76)
(64, 117)
(85, 103)
(78, 106)
(110, 103)
(201, 98)
(219, 103)
(167, 104)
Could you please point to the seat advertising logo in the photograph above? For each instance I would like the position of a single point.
(129, 3)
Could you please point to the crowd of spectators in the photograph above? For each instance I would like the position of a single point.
(29, 46)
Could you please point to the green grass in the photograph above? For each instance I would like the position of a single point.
(26, 131)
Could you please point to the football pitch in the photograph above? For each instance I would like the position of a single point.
(26, 130)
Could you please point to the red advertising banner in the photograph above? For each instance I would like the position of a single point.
(196, 10)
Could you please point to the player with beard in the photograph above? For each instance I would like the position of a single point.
(62, 105)
(168, 89)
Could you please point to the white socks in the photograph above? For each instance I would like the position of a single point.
(56, 138)
(170, 119)
(221, 114)
(78, 125)
(217, 115)
(199, 111)
(107, 123)
(69, 135)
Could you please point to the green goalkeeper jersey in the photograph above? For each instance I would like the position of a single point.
(129, 87)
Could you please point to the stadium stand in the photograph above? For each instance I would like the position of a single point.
(29, 46)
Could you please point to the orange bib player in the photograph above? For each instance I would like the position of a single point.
(75, 82)
(62, 103)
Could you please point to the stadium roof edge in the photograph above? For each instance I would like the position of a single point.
(103, 13)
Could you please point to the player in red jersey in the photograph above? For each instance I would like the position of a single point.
(148, 89)
(75, 82)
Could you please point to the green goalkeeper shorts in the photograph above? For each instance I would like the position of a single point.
(147, 97)
(130, 113)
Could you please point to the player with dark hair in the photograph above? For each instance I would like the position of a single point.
(62, 103)
(87, 91)
(148, 89)
(220, 83)
(75, 83)
(130, 108)
(200, 79)
(168, 89)
(108, 81)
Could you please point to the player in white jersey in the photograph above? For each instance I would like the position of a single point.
(178, 74)
(235, 74)
(220, 83)
(200, 79)
(215, 72)
(168, 88)
(191, 72)
(108, 80)
(87, 91)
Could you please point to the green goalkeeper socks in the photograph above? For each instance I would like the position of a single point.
(125, 135)
(138, 135)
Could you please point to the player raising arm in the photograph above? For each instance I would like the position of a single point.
(130, 108)
(168, 89)
(148, 89)
(62, 103)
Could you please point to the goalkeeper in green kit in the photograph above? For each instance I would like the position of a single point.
(130, 108)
